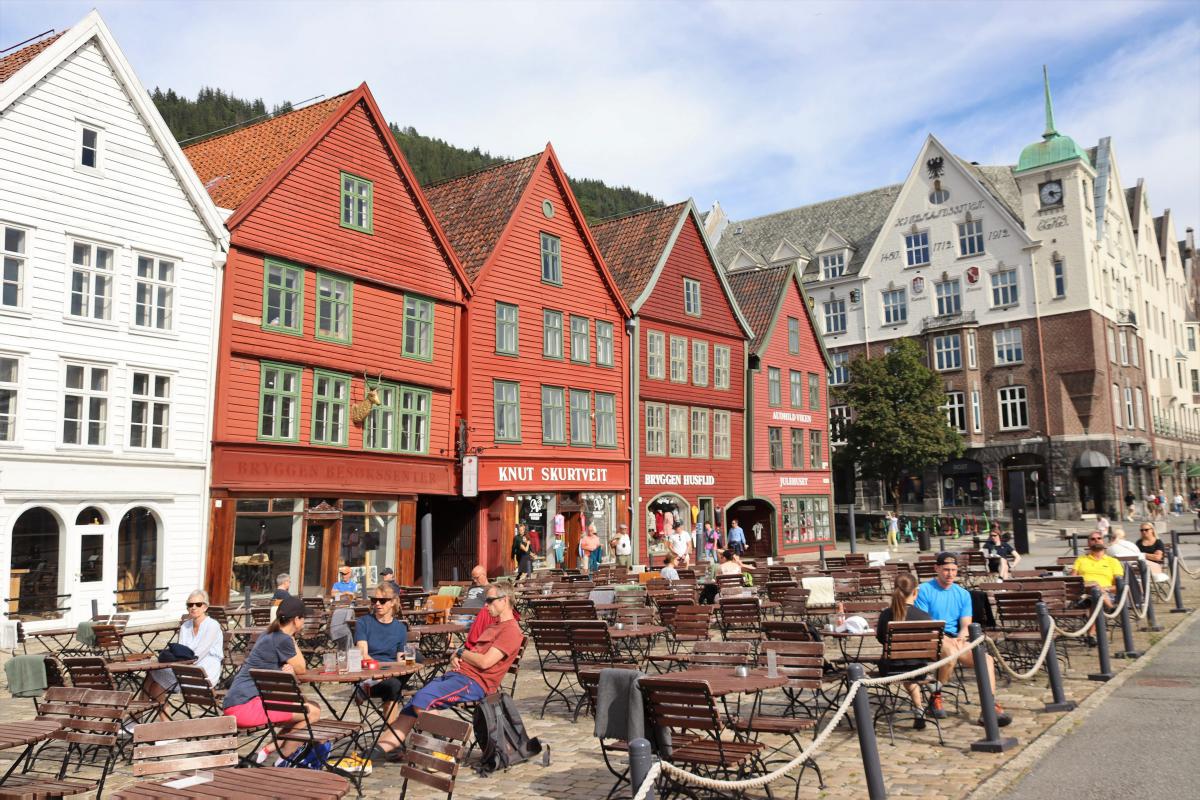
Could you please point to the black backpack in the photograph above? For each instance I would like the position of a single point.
(501, 734)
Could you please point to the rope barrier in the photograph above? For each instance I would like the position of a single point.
(1184, 566)
(1041, 659)
(1087, 626)
(1116, 612)
(648, 783)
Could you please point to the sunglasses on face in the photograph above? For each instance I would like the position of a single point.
(196, 605)
(1095, 538)
(490, 600)
(380, 600)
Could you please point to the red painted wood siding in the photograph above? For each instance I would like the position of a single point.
(689, 259)
(514, 275)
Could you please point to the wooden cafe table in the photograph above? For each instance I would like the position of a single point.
(259, 783)
(397, 669)
(24, 734)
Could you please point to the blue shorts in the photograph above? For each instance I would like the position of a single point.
(450, 689)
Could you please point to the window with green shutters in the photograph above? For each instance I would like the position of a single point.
(606, 420)
(334, 303)
(331, 406)
(554, 428)
(551, 259)
(418, 328)
(581, 417)
(279, 403)
(414, 420)
(506, 403)
(283, 298)
(604, 343)
(357, 203)
(552, 334)
(506, 329)
(579, 340)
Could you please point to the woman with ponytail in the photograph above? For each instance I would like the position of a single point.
(901, 609)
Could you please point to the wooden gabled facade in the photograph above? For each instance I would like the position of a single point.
(687, 373)
(544, 360)
(338, 349)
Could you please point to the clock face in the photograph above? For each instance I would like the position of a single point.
(1051, 193)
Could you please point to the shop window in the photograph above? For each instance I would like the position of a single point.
(91, 558)
(266, 542)
(34, 569)
(805, 519)
(137, 561)
(368, 537)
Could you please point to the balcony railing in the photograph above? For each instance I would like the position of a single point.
(1126, 316)
(948, 321)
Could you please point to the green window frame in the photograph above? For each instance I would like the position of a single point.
(554, 415)
(580, 343)
(506, 408)
(691, 297)
(507, 329)
(413, 430)
(775, 447)
(330, 408)
(358, 203)
(797, 448)
(606, 419)
(793, 336)
(418, 328)
(581, 418)
(816, 455)
(814, 391)
(335, 308)
(774, 397)
(604, 343)
(279, 402)
(283, 297)
(379, 428)
(551, 259)
(552, 334)
(796, 388)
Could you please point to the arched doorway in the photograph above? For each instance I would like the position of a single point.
(662, 512)
(1036, 479)
(757, 518)
(137, 560)
(961, 483)
(35, 567)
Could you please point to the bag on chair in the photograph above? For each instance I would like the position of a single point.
(500, 733)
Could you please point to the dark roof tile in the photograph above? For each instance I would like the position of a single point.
(12, 63)
(632, 246)
(757, 291)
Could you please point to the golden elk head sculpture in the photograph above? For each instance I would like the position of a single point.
(360, 410)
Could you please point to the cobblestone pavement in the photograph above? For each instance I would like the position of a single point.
(915, 765)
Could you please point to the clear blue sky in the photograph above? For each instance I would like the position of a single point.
(761, 105)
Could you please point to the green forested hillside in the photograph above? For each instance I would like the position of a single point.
(432, 160)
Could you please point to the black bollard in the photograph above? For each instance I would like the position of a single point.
(95, 608)
(821, 554)
(923, 544)
(1148, 590)
(864, 721)
(245, 595)
(854, 533)
(454, 573)
(941, 544)
(1126, 623)
(992, 742)
(1175, 570)
(1105, 673)
(640, 761)
(1058, 698)
(1074, 544)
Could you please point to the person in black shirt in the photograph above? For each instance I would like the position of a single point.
(902, 610)
(999, 550)
(282, 584)
(1152, 547)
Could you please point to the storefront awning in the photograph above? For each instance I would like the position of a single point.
(1165, 468)
(1193, 471)
(1091, 459)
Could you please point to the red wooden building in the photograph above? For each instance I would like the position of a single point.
(688, 365)
(337, 349)
(544, 359)
(790, 508)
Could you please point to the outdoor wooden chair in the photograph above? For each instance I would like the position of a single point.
(720, 654)
(689, 624)
(109, 644)
(555, 655)
(581, 608)
(794, 603)
(635, 615)
(432, 752)
(740, 618)
(185, 745)
(777, 590)
(591, 648)
(260, 616)
(788, 631)
(1020, 637)
(610, 749)
(906, 645)
(726, 581)
(196, 697)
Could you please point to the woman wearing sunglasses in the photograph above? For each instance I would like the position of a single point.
(203, 635)
(382, 637)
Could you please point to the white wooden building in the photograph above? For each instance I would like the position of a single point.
(108, 321)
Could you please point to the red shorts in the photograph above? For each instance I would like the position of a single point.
(250, 714)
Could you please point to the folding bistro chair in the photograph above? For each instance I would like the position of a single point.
(555, 654)
(432, 751)
(907, 645)
(184, 745)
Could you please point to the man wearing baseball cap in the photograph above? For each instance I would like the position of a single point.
(942, 598)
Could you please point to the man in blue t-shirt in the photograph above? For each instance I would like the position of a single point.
(736, 539)
(942, 598)
(346, 584)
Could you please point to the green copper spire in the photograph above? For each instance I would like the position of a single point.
(1049, 105)
(1054, 147)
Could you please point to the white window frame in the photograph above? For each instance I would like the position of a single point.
(916, 246)
(1129, 417)
(839, 416)
(833, 265)
(947, 352)
(840, 374)
(77, 154)
(1059, 277)
(720, 366)
(971, 349)
(721, 437)
(1013, 408)
(1004, 288)
(156, 288)
(948, 293)
(12, 417)
(835, 316)
(152, 402)
(699, 433)
(86, 394)
(656, 429)
(976, 411)
(679, 359)
(970, 238)
(699, 362)
(691, 297)
(1123, 346)
(895, 306)
(1116, 405)
(1009, 346)
(1139, 408)
(93, 276)
(677, 431)
(656, 358)
(956, 411)
(19, 259)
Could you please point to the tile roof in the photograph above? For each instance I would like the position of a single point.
(475, 209)
(757, 291)
(999, 181)
(632, 246)
(12, 63)
(231, 166)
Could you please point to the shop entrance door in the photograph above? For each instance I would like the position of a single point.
(92, 564)
(319, 547)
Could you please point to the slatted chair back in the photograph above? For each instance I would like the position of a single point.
(630, 596)
(108, 641)
(195, 691)
(864, 607)
(681, 706)
(690, 624)
(260, 615)
(725, 581)
(514, 669)
(90, 719)
(870, 580)
(219, 614)
(845, 585)
(802, 662)
(88, 672)
(740, 617)
(719, 654)
(787, 631)
(758, 574)
(666, 608)
(552, 640)
(777, 590)
(686, 573)
(545, 609)
(684, 590)
(918, 640)
(579, 609)
(779, 572)
(658, 586)
(635, 615)
(279, 691)
(856, 559)
(58, 701)
(315, 604)
(589, 680)
(432, 752)
(591, 642)
(161, 748)
(835, 562)
(54, 672)
(794, 602)
(925, 570)
(1017, 610)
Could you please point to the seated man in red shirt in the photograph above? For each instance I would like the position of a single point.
(475, 672)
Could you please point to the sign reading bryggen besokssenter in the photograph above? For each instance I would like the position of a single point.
(500, 475)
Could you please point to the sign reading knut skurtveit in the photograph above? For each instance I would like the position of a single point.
(558, 475)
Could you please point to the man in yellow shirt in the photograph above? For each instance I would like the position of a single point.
(1097, 568)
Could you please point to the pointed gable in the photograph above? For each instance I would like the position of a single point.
(12, 63)
(633, 246)
(757, 291)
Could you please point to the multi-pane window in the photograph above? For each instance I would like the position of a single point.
(656, 429)
(581, 417)
(579, 339)
(833, 265)
(699, 363)
(1060, 277)
(506, 405)
(552, 334)
(720, 366)
(150, 411)
(283, 293)
(679, 367)
(606, 420)
(551, 259)
(12, 277)
(678, 431)
(655, 359)
(835, 316)
(154, 293)
(1004, 287)
(774, 395)
(971, 360)
(814, 391)
(1123, 342)
(840, 374)
(506, 329)
(379, 427)
(947, 351)
(89, 147)
(976, 412)
(699, 433)
(970, 237)
(91, 281)
(604, 343)
(895, 306)
(797, 448)
(793, 336)
(775, 447)
(414, 420)
(279, 403)
(9, 372)
(357, 211)
(816, 452)
(916, 248)
(956, 411)
(949, 297)
(691, 297)
(1009, 347)
(796, 388)
(418, 327)
(85, 405)
(720, 447)
(1191, 340)
(1129, 407)
(1139, 408)
(1014, 412)
(838, 417)
(554, 426)
(331, 404)
(334, 299)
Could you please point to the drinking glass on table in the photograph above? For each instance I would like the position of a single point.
(410, 654)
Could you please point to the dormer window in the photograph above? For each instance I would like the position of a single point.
(833, 265)
(691, 297)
